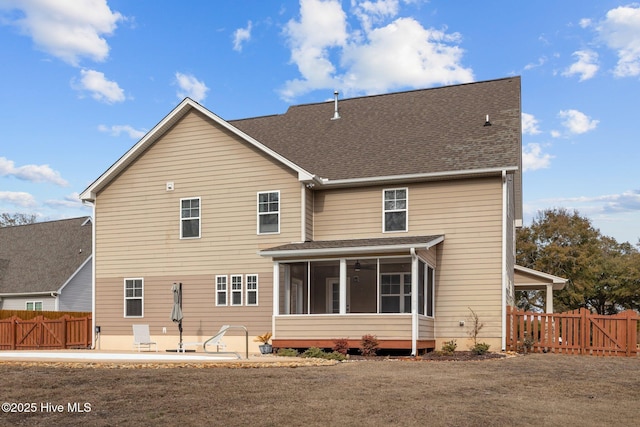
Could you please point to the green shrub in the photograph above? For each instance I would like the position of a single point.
(449, 347)
(318, 353)
(480, 348)
(341, 345)
(287, 352)
(369, 345)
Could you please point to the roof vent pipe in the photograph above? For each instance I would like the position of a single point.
(336, 116)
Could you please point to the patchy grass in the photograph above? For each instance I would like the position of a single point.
(535, 390)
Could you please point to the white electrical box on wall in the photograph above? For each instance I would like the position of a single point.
(169, 185)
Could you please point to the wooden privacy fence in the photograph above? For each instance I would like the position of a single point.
(43, 333)
(575, 332)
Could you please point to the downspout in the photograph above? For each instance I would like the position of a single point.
(504, 262)
(414, 302)
(93, 272)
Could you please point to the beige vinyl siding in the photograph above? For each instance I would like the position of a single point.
(138, 229)
(138, 221)
(468, 212)
(201, 316)
(351, 326)
(426, 328)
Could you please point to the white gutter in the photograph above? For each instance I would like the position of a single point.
(350, 250)
(410, 177)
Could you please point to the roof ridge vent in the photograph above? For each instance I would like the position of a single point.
(336, 116)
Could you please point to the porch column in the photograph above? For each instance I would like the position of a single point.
(414, 303)
(549, 299)
(343, 286)
(276, 289)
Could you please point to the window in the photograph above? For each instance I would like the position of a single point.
(133, 296)
(34, 305)
(190, 218)
(395, 293)
(221, 290)
(269, 212)
(252, 289)
(236, 290)
(429, 290)
(395, 209)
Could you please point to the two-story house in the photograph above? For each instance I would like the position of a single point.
(391, 215)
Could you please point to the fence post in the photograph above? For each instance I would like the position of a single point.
(585, 331)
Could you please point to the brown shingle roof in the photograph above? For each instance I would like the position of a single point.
(415, 132)
(41, 257)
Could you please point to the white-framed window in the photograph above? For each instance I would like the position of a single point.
(269, 212)
(236, 289)
(190, 218)
(221, 290)
(252, 289)
(33, 305)
(395, 293)
(395, 206)
(133, 297)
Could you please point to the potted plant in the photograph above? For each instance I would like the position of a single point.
(265, 347)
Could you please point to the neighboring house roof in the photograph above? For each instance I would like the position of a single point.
(529, 279)
(421, 134)
(42, 257)
(353, 246)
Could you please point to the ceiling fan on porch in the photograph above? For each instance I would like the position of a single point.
(359, 266)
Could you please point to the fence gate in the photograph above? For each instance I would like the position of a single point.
(575, 332)
(40, 333)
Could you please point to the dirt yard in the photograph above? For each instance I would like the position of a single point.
(532, 390)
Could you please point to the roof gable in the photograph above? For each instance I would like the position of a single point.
(187, 105)
(41, 257)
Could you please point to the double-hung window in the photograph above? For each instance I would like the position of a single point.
(395, 293)
(252, 289)
(34, 305)
(236, 289)
(395, 209)
(221, 290)
(190, 218)
(133, 297)
(269, 212)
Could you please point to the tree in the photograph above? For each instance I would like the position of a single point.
(8, 220)
(603, 275)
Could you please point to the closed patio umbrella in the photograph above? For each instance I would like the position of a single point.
(176, 311)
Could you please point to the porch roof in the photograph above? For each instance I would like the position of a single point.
(353, 246)
(527, 279)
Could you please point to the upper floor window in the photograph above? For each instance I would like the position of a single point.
(133, 297)
(395, 209)
(190, 218)
(269, 212)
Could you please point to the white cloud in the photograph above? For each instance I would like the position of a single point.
(68, 30)
(529, 124)
(533, 158)
(190, 87)
(586, 66)
(620, 30)
(116, 130)
(240, 36)
(17, 198)
(99, 86)
(585, 23)
(577, 122)
(556, 134)
(70, 201)
(375, 58)
(541, 61)
(31, 173)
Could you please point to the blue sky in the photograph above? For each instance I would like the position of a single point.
(83, 80)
